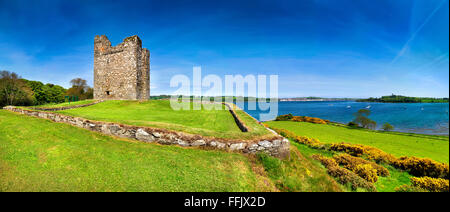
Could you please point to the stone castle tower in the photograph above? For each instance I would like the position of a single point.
(122, 71)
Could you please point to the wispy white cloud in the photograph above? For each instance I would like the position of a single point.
(416, 32)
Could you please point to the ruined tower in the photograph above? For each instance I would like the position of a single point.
(122, 71)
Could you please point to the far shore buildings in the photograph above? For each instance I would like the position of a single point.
(122, 71)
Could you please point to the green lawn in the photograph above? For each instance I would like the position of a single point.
(158, 113)
(40, 155)
(398, 144)
(65, 104)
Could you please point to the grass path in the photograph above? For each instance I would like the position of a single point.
(398, 144)
(39, 155)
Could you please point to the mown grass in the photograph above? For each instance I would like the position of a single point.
(39, 155)
(398, 144)
(158, 113)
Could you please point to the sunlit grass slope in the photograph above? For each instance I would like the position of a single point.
(40, 155)
(64, 104)
(159, 113)
(398, 144)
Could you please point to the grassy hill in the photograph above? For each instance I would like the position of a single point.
(40, 155)
(398, 144)
(158, 113)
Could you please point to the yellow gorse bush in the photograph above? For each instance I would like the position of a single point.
(418, 167)
(343, 175)
(290, 117)
(431, 184)
(422, 167)
(367, 172)
(309, 119)
(351, 162)
(359, 150)
(312, 142)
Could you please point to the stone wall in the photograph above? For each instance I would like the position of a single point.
(122, 71)
(238, 121)
(277, 146)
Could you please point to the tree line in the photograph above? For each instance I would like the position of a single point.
(404, 99)
(15, 90)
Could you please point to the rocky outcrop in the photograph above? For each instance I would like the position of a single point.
(277, 146)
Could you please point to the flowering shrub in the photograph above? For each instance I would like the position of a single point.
(415, 166)
(286, 117)
(327, 162)
(431, 184)
(422, 167)
(310, 120)
(418, 167)
(290, 117)
(359, 150)
(351, 149)
(367, 172)
(351, 163)
(311, 142)
(343, 175)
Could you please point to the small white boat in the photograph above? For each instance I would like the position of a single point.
(368, 107)
(349, 106)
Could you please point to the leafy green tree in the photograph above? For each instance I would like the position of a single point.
(387, 127)
(13, 90)
(48, 93)
(361, 118)
(81, 89)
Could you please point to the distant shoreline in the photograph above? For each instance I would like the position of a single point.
(404, 99)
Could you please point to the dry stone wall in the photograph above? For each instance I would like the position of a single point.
(277, 146)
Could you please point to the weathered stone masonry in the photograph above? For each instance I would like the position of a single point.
(122, 71)
(276, 146)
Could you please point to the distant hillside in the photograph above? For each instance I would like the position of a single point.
(404, 99)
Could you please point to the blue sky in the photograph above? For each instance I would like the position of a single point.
(329, 48)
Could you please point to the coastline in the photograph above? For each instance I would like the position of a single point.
(407, 118)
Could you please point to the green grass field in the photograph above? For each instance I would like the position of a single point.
(158, 113)
(39, 155)
(398, 144)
